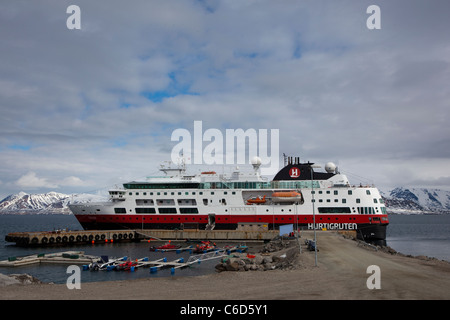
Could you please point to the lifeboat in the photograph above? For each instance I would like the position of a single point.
(208, 172)
(257, 200)
(289, 196)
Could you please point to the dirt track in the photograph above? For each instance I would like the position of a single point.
(341, 274)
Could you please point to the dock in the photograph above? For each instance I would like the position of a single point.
(68, 257)
(213, 235)
(127, 264)
(63, 237)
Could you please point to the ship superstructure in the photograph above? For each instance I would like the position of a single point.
(297, 195)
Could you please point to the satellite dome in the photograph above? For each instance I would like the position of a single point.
(256, 161)
(330, 167)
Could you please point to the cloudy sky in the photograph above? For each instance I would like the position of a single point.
(83, 110)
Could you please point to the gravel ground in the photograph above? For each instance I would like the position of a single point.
(342, 273)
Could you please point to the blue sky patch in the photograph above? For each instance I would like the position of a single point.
(19, 147)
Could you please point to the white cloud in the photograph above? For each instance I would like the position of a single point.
(334, 89)
(72, 182)
(31, 181)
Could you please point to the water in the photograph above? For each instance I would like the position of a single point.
(427, 235)
(58, 273)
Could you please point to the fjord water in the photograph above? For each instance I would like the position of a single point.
(420, 235)
(427, 235)
(58, 273)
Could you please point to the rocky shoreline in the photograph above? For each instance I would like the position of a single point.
(277, 254)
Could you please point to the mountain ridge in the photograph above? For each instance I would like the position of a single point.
(44, 203)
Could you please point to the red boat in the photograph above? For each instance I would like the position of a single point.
(206, 246)
(165, 247)
(126, 266)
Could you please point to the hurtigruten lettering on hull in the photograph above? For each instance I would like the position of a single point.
(333, 226)
(298, 195)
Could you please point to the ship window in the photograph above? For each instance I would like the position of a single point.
(192, 202)
(344, 200)
(167, 210)
(137, 193)
(188, 210)
(320, 192)
(336, 200)
(205, 202)
(328, 200)
(350, 192)
(120, 210)
(368, 192)
(375, 201)
(335, 192)
(328, 191)
(130, 193)
(334, 210)
(320, 200)
(143, 202)
(200, 193)
(166, 202)
(145, 193)
(234, 192)
(145, 210)
(358, 200)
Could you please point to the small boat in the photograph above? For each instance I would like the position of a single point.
(257, 200)
(290, 196)
(206, 246)
(126, 266)
(165, 247)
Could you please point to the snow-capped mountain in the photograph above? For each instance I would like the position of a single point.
(51, 202)
(417, 200)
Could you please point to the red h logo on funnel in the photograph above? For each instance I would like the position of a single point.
(294, 172)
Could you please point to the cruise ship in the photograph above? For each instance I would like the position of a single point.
(297, 195)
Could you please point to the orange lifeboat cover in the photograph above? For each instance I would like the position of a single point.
(286, 194)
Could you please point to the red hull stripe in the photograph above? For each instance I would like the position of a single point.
(233, 219)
